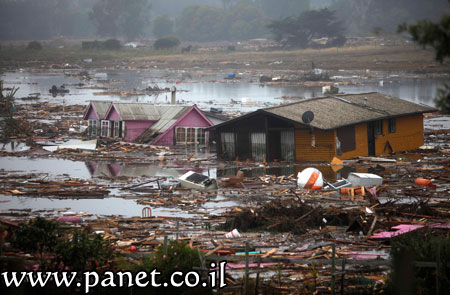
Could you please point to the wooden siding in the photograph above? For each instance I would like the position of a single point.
(361, 148)
(324, 149)
(407, 136)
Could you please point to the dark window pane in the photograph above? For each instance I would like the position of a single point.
(379, 127)
(391, 125)
(346, 136)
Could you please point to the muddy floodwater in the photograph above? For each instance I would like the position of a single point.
(206, 90)
(244, 94)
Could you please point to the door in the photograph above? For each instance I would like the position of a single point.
(274, 146)
(371, 138)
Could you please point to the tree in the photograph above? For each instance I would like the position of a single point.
(83, 250)
(162, 26)
(299, 31)
(202, 23)
(166, 43)
(37, 236)
(247, 21)
(436, 35)
(283, 8)
(127, 18)
(362, 16)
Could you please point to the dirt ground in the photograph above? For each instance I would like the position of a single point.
(392, 58)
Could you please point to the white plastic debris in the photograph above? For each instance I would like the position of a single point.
(310, 178)
(233, 234)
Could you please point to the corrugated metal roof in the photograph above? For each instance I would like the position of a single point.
(137, 111)
(101, 107)
(343, 110)
(169, 115)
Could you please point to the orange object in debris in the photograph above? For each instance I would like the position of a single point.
(357, 190)
(424, 182)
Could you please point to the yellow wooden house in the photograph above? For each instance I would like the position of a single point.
(345, 126)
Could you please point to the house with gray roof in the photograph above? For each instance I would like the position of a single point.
(318, 129)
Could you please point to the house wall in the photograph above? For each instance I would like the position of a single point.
(91, 114)
(191, 119)
(407, 136)
(113, 115)
(324, 148)
(133, 129)
(361, 148)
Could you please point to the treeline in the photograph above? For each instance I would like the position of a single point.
(44, 19)
(205, 20)
(193, 20)
(368, 16)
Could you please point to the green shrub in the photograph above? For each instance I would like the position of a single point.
(37, 236)
(34, 45)
(423, 246)
(166, 43)
(91, 44)
(110, 44)
(83, 251)
(177, 256)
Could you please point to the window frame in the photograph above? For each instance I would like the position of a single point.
(116, 129)
(106, 125)
(378, 127)
(392, 124)
(190, 135)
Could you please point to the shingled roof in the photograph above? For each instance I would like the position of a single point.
(342, 110)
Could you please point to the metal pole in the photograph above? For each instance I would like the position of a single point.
(333, 268)
(246, 268)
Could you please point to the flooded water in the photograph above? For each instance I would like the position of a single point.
(247, 96)
(107, 206)
(52, 167)
(57, 168)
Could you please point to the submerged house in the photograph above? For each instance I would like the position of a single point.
(147, 123)
(318, 129)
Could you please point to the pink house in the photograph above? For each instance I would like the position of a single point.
(147, 123)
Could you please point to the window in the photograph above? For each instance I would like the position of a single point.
(92, 125)
(391, 125)
(105, 128)
(228, 145)
(201, 136)
(116, 128)
(189, 135)
(347, 138)
(180, 135)
(379, 127)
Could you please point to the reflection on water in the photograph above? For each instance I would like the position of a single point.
(108, 206)
(52, 167)
(130, 170)
(250, 96)
(86, 170)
